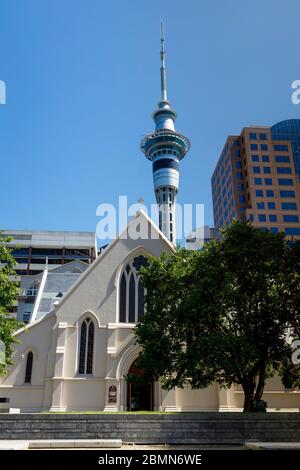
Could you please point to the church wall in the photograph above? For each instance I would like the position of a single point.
(48, 394)
(84, 394)
(29, 397)
(277, 397)
(37, 339)
(72, 351)
(25, 397)
(276, 400)
(206, 399)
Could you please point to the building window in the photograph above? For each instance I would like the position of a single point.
(287, 194)
(259, 193)
(264, 147)
(255, 158)
(271, 205)
(131, 308)
(267, 170)
(257, 181)
(273, 218)
(274, 230)
(268, 181)
(256, 169)
(261, 218)
(289, 206)
(284, 170)
(263, 136)
(32, 291)
(251, 218)
(285, 181)
(254, 146)
(292, 231)
(282, 158)
(238, 165)
(28, 370)
(237, 153)
(270, 193)
(265, 158)
(86, 347)
(260, 205)
(281, 148)
(252, 136)
(27, 312)
(290, 218)
(131, 303)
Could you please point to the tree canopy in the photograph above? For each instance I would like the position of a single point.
(227, 314)
(8, 294)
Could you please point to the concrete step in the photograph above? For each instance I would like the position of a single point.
(13, 444)
(273, 445)
(75, 443)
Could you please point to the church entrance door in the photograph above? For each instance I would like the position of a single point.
(139, 394)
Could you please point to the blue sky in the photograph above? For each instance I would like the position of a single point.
(82, 81)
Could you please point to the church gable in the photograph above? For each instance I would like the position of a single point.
(98, 289)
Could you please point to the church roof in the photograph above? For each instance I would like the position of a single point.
(53, 285)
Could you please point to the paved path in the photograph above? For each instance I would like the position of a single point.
(89, 444)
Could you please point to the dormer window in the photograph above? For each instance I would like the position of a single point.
(32, 291)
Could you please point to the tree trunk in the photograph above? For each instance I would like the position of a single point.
(248, 387)
(261, 383)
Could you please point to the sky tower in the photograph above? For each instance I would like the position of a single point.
(164, 148)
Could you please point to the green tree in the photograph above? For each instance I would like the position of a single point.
(226, 314)
(8, 294)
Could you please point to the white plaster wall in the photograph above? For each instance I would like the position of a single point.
(84, 394)
(37, 338)
(206, 399)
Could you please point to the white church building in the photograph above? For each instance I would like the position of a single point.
(76, 357)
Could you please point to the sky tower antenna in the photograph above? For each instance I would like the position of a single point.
(163, 72)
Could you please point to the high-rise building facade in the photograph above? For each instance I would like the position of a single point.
(257, 178)
(36, 248)
(165, 147)
(198, 237)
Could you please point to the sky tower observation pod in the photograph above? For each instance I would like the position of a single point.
(165, 142)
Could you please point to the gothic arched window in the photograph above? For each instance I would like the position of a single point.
(132, 292)
(86, 347)
(28, 370)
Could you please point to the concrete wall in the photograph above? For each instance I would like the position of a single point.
(188, 428)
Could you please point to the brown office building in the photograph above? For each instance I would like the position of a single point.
(257, 178)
